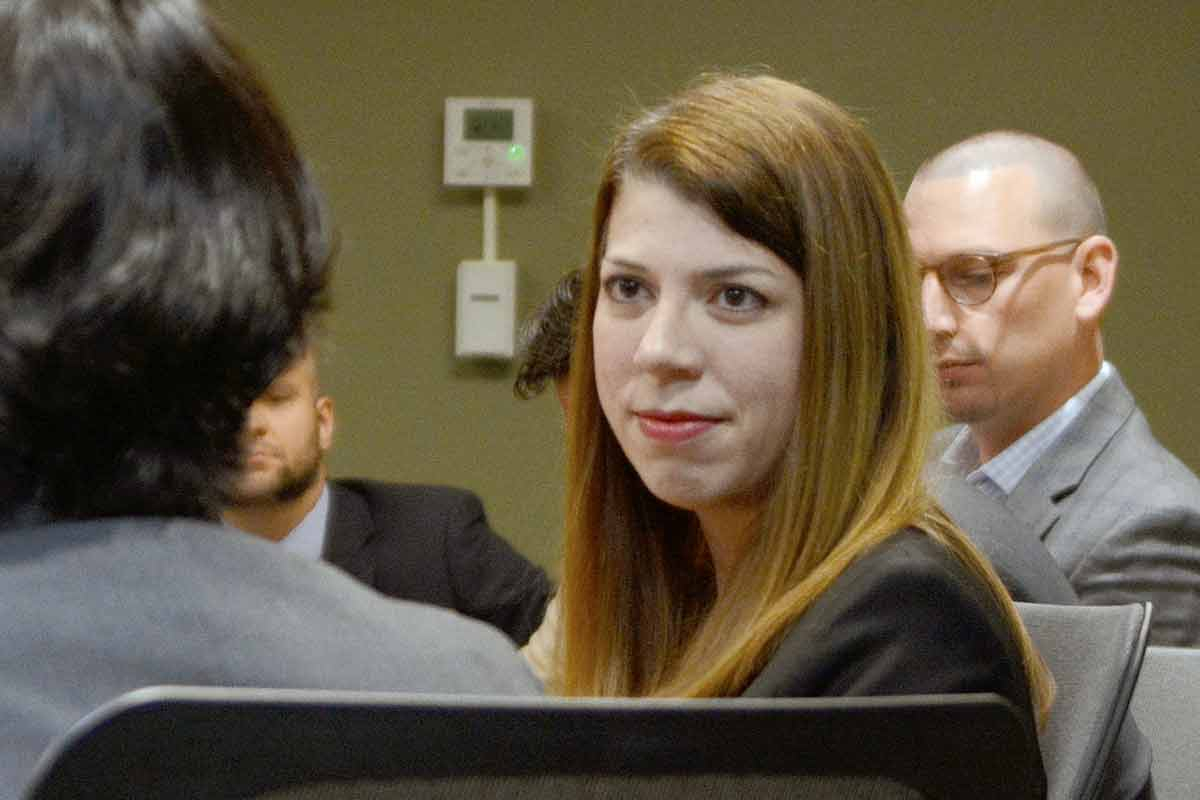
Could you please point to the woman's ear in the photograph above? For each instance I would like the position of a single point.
(1096, 260)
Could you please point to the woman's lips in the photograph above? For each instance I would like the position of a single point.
(673, 428)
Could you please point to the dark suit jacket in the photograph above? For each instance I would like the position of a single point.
(906, 618)
(432, 544)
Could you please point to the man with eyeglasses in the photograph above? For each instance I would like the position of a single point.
(1009, 233)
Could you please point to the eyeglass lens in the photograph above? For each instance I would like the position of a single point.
(968, 279)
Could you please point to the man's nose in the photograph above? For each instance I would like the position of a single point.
(256, 419)
(938, 308)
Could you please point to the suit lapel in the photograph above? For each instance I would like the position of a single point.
(347, 533)
(1057, 474)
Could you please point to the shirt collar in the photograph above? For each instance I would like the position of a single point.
(308, 538)
(1000, 475)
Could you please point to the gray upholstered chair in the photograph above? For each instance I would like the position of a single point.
(190, 742)
(1166, 702)
(1095, 653)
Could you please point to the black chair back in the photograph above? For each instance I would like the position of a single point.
(171, 742)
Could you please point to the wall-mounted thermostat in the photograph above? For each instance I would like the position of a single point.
(489, 141)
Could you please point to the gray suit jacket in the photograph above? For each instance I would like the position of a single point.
(95, 609)
(1120, 515)
(1023, 563)
(1030, 574)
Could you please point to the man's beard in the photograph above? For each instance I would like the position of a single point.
(291, 483)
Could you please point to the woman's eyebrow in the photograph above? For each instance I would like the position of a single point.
(736, 271)
(623, 263)
(723, 272)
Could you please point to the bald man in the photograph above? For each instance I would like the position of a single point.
(1017, 271)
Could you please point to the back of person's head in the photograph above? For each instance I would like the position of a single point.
(786, 168)
(547, 337)
(162, 251)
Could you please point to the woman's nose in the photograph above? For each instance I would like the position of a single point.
(669, 343)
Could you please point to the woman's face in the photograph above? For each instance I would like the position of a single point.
(697, 340)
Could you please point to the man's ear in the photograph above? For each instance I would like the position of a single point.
(325, 422)
(1096, 260)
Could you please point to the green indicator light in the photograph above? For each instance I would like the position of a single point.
(516, 152)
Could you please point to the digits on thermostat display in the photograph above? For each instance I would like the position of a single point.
(488, 124)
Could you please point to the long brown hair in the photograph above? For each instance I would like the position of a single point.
(782, 166)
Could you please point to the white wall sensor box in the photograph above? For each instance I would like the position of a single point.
(488, 141)
(485, 321)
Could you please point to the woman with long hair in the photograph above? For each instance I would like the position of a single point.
(750, 405)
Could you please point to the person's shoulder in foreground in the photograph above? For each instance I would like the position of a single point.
(433, 544)
(140, 602)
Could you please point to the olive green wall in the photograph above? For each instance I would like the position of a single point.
(363, 82)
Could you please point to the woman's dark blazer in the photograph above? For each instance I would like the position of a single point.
(906, 618)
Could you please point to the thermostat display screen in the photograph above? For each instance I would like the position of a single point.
(488, 124)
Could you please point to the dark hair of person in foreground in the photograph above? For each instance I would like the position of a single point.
(162, 250)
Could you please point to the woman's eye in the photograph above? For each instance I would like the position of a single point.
(623, 290)
(740, 298)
